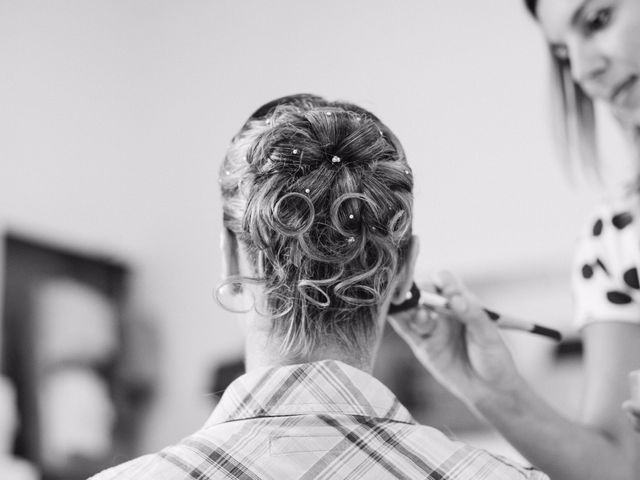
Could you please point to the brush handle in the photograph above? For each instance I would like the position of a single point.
(417, 297)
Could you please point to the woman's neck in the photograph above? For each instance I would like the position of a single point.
(262, 350)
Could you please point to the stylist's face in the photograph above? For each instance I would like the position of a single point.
(601, 41)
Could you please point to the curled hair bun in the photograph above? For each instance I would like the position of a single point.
(319, 193)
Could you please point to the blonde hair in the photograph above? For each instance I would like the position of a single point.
(574, 117)
(319, 194)
(573, 112)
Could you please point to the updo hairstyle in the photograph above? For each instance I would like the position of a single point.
(319, 194)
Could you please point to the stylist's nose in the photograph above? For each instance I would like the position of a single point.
(588, 66)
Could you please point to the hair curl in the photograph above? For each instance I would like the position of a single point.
(326, 236)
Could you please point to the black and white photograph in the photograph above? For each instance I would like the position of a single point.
(303, 239)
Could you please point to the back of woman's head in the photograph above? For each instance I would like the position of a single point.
(319, 195)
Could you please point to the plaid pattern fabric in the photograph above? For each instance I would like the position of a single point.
(323, 420)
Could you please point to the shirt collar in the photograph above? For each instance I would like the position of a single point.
(325, 387)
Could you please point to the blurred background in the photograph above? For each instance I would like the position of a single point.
(114, 116)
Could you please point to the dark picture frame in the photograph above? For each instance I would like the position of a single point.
(29, 264)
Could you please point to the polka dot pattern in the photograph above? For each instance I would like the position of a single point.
(606, 278)
(631, 278)
(597, 228)
(601, 264)
(622, 220)
(619, 298)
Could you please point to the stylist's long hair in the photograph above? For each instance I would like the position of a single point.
(574, 120)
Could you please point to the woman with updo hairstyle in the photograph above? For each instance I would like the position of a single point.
(319, 195)
(594, 52)
(317, 211)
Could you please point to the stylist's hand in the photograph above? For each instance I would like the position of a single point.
(460, 346)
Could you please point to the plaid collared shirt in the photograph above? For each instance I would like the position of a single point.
(323, 420)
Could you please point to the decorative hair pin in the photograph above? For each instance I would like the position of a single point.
(306, 190)
(295, 151)
(351, 239)
(335, 159)
(351, 216)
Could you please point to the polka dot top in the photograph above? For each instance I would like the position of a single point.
(605, 274)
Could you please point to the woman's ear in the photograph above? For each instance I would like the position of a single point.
(229, 247)
(405, 279)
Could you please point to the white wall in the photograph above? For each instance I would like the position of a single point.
(115, 114)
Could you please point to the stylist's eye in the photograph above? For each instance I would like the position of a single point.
(598, 20)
